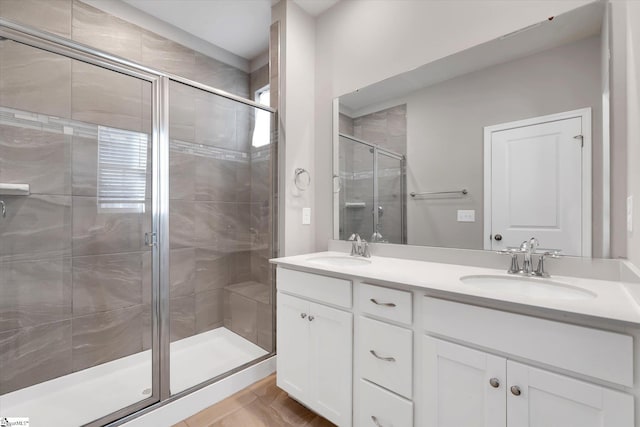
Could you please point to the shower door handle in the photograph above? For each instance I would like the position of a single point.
(150, 239)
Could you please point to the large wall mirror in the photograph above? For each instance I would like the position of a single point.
(485, 148)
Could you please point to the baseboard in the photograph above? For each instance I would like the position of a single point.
(176, 411)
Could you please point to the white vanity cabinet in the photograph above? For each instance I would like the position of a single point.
(315, 343)
(382, 355)
(468, 387)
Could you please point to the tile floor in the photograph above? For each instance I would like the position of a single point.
(262, 404)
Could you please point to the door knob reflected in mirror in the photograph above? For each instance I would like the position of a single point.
(498, 237)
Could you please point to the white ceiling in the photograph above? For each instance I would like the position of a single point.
(239, 26)
(315, 7)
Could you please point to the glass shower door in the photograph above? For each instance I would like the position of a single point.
(390, 197)
(220, 195)
(75, 272)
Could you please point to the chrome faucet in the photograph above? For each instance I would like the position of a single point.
(528, 249)
(359, 247)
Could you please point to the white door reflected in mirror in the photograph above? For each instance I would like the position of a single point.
(538, 183)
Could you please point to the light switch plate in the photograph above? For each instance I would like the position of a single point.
(467, 215)
(306, 216)
(630, 214)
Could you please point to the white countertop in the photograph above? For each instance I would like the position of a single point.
(612, 302)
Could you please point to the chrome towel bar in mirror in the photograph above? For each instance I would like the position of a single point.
(462, 192)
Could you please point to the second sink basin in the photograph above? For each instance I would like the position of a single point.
(527, 287)
(340, 261)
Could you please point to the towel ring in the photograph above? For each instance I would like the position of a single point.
(302, 179)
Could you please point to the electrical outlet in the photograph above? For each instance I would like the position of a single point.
(306, 216)
(467, 215)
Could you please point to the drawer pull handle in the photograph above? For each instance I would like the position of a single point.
(515, 390)
(386, 304)
(495, 383)
(386, 359)
(375, 421)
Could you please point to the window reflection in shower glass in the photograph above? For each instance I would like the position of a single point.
(122, 169)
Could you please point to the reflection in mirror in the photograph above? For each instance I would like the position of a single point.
(486, 148)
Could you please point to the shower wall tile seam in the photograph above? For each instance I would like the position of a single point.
(30, 327)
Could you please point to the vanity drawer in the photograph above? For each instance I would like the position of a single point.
(385, 354)
(315, 286)
(387, 303)
(380, 407)
(592, 352)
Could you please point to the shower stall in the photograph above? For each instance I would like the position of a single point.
(372, 195)
(137, 220)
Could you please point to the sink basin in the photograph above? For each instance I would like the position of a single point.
(527, 287)
(340, 261)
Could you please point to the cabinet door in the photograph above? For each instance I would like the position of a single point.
(292, 329)
(552, 400)
(331, 349)
(463, 387)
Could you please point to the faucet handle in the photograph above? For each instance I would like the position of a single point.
(515, 267)
(540, 269)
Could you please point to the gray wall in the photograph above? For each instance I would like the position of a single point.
(86, 300)
(445, 134)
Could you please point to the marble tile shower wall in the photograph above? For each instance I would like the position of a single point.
(86, 299)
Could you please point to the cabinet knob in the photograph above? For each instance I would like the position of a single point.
(498, 237)
(495, 383)
(303, 315)
(311, 318)
(515, 390)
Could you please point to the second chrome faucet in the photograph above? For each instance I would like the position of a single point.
(359, 247)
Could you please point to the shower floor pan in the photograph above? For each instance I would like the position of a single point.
(78, 398)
